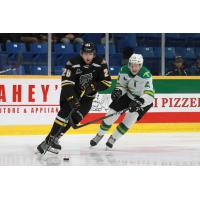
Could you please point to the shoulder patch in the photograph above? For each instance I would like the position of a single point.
(144, 73)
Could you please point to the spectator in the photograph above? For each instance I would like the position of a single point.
(34, 37)
(178, 68)
(73, 38)
(195, 69)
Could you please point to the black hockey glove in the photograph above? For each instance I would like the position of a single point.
(73, 103)
(136, 104)
(116, 94)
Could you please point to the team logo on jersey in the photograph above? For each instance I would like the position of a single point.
(85, 79)
(78, 71)
(147, 74)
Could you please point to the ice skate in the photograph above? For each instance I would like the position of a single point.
(110, 142)
(96, 140)
(50, 144)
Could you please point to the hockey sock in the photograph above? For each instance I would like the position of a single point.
(120, 130)
(103, 128)
(58, 123)
(127, 122)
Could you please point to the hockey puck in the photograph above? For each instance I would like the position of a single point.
(65, 159)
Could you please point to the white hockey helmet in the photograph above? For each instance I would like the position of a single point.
(136, 59)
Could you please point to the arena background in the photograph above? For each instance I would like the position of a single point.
(31, 66)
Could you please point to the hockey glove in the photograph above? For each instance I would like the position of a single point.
(136, 104)
(116, 94)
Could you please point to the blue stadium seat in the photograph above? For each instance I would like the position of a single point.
(63, 48)
(147, 52)
(127, 42)
(61, 59)
(27, 59)
(38, 70)
(170, 52)
(187, 53)
(115, 59)
(180, 51)
(77, 48)
(157, 52)
(0, 47)
(15, 48)
(18, 71)
(114, 70)
(197, 51)
(112, 49)
(100, 49)
(40, 59)
(39, 48)
(153, 65)
(3, 59)
(58, 70)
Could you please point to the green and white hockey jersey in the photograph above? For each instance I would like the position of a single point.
(136, 85)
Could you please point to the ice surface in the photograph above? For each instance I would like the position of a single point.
(132, 149)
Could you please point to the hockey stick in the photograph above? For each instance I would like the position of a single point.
(63, 125)
(96, 120)
(9, 69)
(13, 68)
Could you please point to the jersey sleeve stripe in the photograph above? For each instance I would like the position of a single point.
(67, 81)
(67, 84)
(149, 92)
(105, 83)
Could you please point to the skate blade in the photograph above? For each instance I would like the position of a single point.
(54, 151)
(108, 148)
(92, 147)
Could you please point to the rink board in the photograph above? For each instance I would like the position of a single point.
(92, 129)
(28, 105)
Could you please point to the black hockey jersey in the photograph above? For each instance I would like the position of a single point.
(78, 75)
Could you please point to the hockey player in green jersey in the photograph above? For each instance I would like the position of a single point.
(134, 90)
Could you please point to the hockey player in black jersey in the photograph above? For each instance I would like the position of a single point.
(86, 73)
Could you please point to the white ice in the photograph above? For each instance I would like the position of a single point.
(132, 149)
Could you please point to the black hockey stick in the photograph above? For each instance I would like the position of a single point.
(63, 125)
(96, 120)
